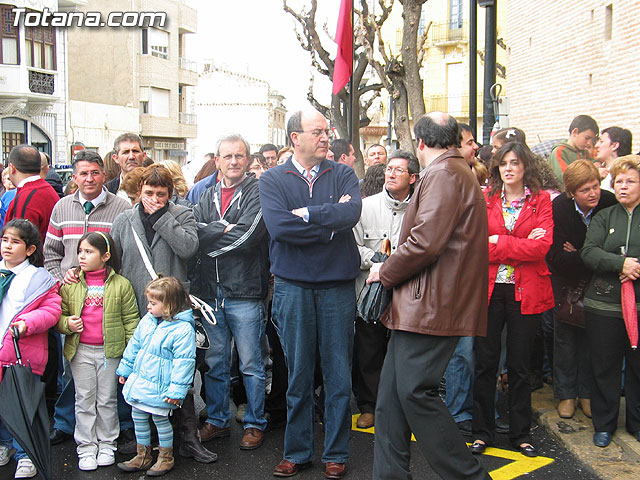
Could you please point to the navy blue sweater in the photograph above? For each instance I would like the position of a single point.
(310, 252)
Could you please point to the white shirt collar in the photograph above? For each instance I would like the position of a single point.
(302, 170)
(18, 268)
(32, 178)
(96, 201)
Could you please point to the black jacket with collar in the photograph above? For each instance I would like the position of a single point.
(567, 267)
(237, 260)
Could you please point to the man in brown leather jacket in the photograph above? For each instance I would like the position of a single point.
(439, 278)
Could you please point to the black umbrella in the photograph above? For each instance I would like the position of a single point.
(24, 411)
(374, 298)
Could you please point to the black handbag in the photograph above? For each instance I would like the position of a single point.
(571, 309)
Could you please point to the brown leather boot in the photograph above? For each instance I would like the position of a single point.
(141, 461)
(585, 405)
(566, 408)
(164, 463)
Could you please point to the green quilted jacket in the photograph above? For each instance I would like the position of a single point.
(119, 320)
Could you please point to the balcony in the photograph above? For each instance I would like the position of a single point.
(188, 118)
(40, 82)
(187, 71)
(187, 64)
(455, 105)
(442, 35)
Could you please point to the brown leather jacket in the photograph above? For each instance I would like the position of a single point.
(439, 270)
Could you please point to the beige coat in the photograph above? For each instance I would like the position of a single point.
(381, 218)
(439, 270)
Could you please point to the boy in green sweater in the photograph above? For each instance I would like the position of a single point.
(582, 133)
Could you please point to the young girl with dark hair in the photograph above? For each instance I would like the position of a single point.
(30, 302)
(157, 371)
(99, 316)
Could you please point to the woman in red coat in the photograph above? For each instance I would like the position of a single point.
(520, 235)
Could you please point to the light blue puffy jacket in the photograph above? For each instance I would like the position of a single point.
(159, 360)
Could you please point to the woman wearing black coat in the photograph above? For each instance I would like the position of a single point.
(572, 213)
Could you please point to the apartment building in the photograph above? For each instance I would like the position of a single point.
(33, 79)
(134, 79)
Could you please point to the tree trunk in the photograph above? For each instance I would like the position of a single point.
(401, 114)
(411, 21)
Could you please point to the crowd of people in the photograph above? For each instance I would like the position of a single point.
(483, 251)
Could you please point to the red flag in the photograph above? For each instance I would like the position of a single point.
(343, 67)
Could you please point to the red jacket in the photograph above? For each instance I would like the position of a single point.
(533, 283)
(41, 199)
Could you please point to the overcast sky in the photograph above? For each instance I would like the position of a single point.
(257, 37)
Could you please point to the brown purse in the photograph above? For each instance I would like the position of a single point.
(571, 309)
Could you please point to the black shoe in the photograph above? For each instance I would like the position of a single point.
(478, 448)
(502, 425)
(58, 436)
(602, 439)
(528, 450)
(128, 444)
(637, 435)
(464, 427)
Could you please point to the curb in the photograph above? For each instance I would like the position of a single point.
(620, 460)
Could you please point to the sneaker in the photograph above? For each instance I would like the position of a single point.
(5, 455)
(87, 462)
(242, 409)
(25, 469)
(106, 457)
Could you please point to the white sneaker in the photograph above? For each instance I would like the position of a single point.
(25, 469)
(87, 462)
(106, 457)
(5, 455)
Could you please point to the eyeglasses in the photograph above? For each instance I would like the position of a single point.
(396, 170)
(237, 156)
(318, 132)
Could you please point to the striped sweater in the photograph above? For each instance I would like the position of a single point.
(69, 222)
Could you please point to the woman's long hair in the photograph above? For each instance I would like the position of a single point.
(525, 156)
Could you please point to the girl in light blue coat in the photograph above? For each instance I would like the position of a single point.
(157, 370)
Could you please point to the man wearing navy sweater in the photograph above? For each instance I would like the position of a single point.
(310, 205)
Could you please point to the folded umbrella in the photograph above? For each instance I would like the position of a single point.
(24, 412)
(630, 312)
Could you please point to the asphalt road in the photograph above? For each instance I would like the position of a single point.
(237, 464)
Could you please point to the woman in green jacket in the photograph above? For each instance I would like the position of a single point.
(611, 249)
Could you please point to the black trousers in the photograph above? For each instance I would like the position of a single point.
(521, 332)
(408, 401)
(370, 347)
(608, 346)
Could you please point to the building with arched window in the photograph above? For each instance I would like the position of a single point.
(33, 87)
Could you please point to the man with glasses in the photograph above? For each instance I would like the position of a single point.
(310, 205)
(380, 220)
(234, 276)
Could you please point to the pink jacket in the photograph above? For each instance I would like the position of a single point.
(39, 315)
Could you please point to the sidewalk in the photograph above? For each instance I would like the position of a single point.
(620, 460)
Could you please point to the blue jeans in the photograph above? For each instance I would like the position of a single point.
(242, 319)
(459, 381)
(309, 320)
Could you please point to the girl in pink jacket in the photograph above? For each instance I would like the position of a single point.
(29, 301)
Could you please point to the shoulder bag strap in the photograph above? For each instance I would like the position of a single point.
(143, 254)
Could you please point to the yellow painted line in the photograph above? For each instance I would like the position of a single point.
(519, 465)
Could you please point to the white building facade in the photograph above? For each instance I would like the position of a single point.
(33, 80)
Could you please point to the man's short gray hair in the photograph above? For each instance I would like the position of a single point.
(233, 138)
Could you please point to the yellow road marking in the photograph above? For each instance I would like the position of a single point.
(520, 465)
